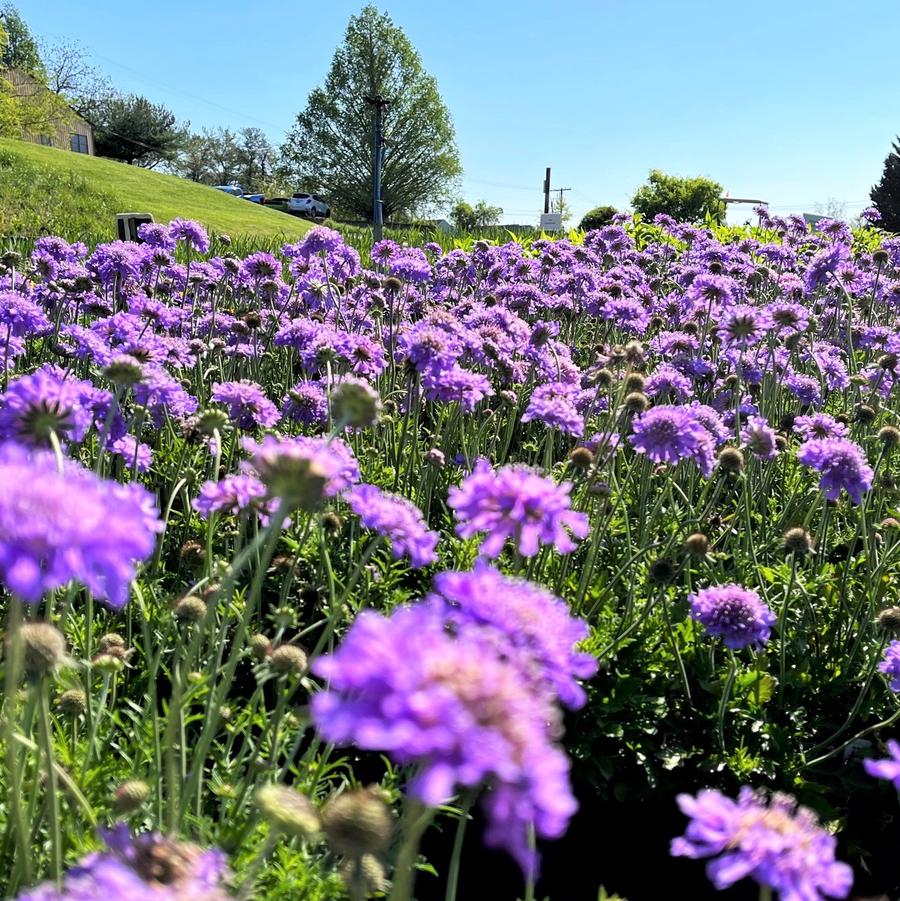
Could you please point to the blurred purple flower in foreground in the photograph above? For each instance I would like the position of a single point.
(889, 768)
(58, 526)
(459, 711)
(147, 867)
(775, 842)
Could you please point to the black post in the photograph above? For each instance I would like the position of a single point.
(547, 191)
(380, 105)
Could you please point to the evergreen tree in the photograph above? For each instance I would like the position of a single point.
(886, 194)
(331, 148)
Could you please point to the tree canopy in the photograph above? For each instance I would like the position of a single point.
(684, 199)
(468, 218)
(597, 217)
(132, 129)
(331, 148)
(18, 49)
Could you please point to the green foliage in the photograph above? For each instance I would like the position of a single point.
(468, 218)
(684, 199)
(330, 149)
(17, 46)
(597, 217)
(886, 194)
(133, 130)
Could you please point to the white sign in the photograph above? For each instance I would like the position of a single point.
(551, 222)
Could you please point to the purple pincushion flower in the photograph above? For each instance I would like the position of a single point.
(516, 502)
(192, 233)
(890, 666)
(396, 518)
(775, 842)
(668, 434)
(247, 404)
(819, 425)
(554, 405)
(528, 617)
(145, 867)
(20, 316)
(455, 708)
(307, 403)
(233, 495)
(759, 436)
(736, 614)
(889, 768)
(59, 526)
(842, 465)
(45, 401)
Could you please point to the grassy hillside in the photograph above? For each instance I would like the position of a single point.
(43, 189)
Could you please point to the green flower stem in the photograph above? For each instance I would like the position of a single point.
(416, 818)
(723, 702)
(52, 793)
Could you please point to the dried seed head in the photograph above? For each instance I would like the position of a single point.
(288, 658)
(798, 541)
(604, 377)
(190, 609)
(44, 645)
(288, 811)
(636, 402)
(110, 643)
(123, 370)
(634, 381)
(889, 620)
(332, 523)
(358, 822)
(864, 413)
(260, 646)
(72, 702)
(363, 876)
(661, 571)
(581, 458)
(130, 796)
(731, 460)
(192, 554)
(889, 436)
(697, 544)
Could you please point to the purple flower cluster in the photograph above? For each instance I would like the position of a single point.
(460, 708)
(890, 666)
(670, 434)
(59, 526)
(144, 867)
(774, 842)
(733, 613)
(518, 503)
(397, 519)
(841, 464)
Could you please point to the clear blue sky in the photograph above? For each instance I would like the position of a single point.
(795, 101)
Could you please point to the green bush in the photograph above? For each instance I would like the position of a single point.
(684, 199)
(597, 217)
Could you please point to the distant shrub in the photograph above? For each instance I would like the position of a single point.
(597, 217)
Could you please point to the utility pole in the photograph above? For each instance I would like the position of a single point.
(547, 190)
(560, 191)
(380, 105)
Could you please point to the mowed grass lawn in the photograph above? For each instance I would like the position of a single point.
(43, 189)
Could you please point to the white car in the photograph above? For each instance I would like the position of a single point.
(309, 205)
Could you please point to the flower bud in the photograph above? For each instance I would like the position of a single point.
(435, 458)
(581, 458)
(287, 811)
(697, 544)
(288, 658)
(44, 645)
(889, 620)
(358, 822)
(889, 436)
(355, 403)
(190, 609)
(798, 541)
(130, 796)
(72, 702)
